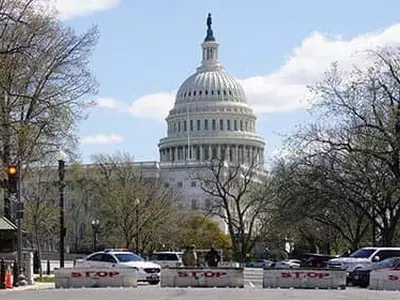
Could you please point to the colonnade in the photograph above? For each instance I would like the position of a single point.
(232, 153)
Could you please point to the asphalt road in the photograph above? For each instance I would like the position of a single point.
(158, 293)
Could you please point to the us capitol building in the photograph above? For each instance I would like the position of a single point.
(210, 119)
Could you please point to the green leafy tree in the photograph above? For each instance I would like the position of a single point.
(204, 232)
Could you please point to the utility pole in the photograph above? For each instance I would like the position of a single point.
(61, 185)
(19, 216)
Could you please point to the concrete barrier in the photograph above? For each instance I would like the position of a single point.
(228, 264)
(95, 277)
(304, 278)
(385, 280)
(202, 277)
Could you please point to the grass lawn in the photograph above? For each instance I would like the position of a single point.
(45, 279)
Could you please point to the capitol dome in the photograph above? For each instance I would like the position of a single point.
(211, 117)
(210, 85)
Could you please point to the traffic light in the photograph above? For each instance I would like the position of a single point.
(13, 179)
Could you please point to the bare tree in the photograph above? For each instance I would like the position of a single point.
(45, 81)
(305, 196)
(81, 203)
(359, 123)
(40, 210)
(134, 207)
(241, 198)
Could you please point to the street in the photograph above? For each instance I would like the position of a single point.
(253, 290)
(146, 292)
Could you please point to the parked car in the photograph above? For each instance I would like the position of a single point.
(314, 260)
(259, 263)
(146, 271)
(167, 259)
(286, 264)
(364, 257)
(360, 276)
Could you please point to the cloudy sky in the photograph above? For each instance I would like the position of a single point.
(275, 48)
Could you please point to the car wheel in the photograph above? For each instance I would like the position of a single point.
(154, 282)
(364, 284)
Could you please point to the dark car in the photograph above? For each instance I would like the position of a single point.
(360, 276)
(314, 260)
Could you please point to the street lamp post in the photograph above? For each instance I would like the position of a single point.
(62, 156)
(95, 226)
(137, 202)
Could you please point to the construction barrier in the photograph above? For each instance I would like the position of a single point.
(95, 277)
(384, 280)
(304, 278)
(202, 277)
(9, 280)
(6, 275)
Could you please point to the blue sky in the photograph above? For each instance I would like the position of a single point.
(276, 48)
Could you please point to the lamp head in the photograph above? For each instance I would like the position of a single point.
(61, 155)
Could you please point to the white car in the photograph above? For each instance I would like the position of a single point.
(167, 259)
(146, 271)
(286, 264)
(364, 257)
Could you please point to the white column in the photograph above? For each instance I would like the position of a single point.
(176, 153)
(170, 153)
(201, 153)
(262, 156)
(237, 154)
(209, 152)
(257, 155)
(228, 153)
(219, 151)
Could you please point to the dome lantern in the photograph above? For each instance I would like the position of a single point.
(209, 50)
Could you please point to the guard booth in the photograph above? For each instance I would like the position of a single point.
(8, 236)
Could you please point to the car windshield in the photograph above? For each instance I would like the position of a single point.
(127, 257)
(387, 263)
(362, 253)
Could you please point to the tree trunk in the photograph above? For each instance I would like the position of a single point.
(388, 235)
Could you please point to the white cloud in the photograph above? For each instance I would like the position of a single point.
(103, 139)
(107, 103)
(154, 106)
(68, 9)
(285, 89)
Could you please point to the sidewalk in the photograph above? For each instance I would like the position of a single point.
(36, 286)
